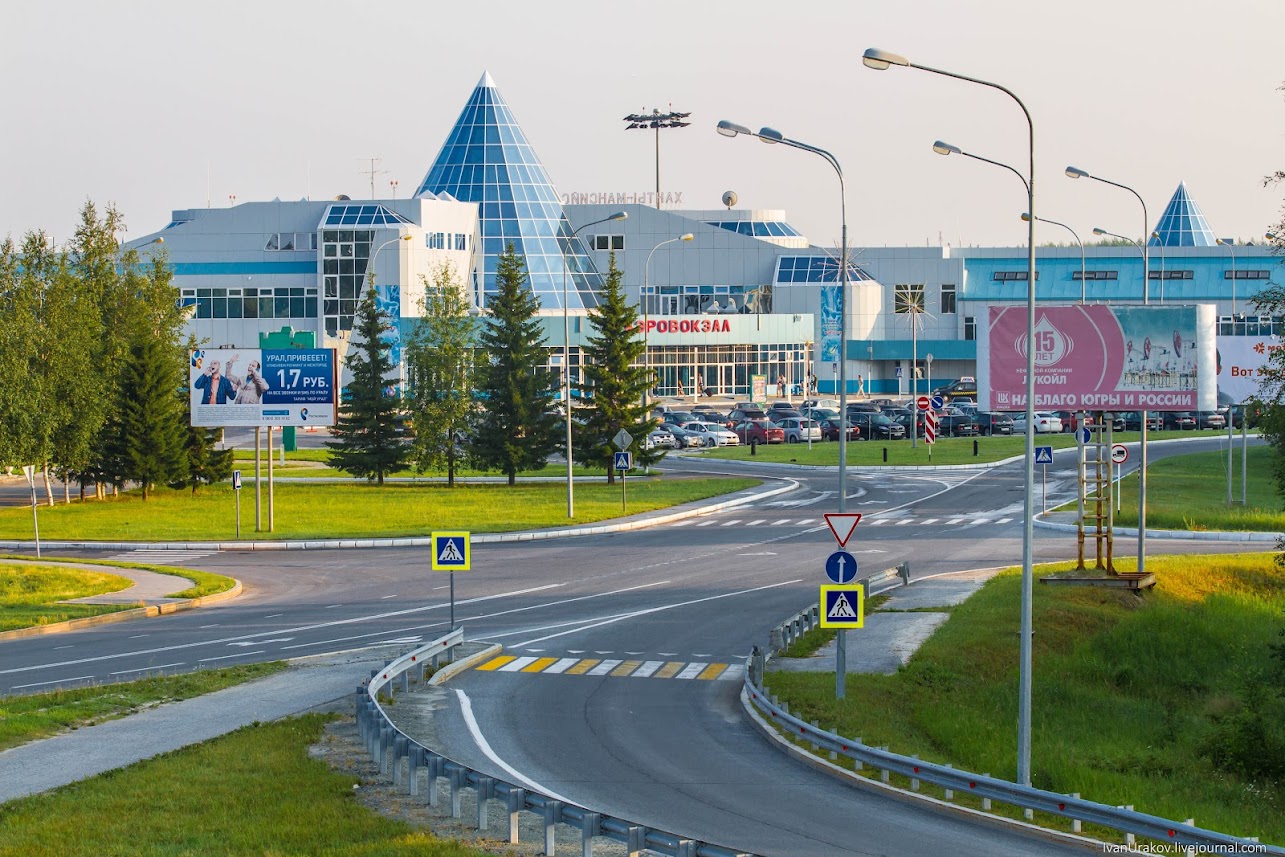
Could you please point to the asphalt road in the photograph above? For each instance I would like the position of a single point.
(676, 754)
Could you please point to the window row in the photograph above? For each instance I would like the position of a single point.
(1171, 275)
(291, 241)
(1095, 275)
(299, 302)
(446, 240)
(1003, 276)
(608, 242)
(1247, 275)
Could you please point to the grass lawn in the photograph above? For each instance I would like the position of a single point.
(39, 715)
(1189, 492)
(30, 594)
(1173, 701)
(303, 462)
(330, 511)
(204, 582)
(255, 791)
(947, 450)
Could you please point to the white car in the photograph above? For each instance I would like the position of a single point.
(714, 434)
(1045, 423)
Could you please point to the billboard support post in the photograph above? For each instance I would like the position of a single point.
(258, 481)
(271, 509)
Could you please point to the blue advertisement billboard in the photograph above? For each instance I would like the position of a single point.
(262, 386)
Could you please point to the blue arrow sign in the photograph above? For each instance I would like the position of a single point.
(1043, 455)
(938, 402)
(623, 461)
(1085, 435)
(841, 567)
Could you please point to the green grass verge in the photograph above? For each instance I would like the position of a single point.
(1159, 701)
(1189, 492)
(254, 791)
(30, 594)
(331, 511)
(39, 715)
(302, 462)
(204, 582)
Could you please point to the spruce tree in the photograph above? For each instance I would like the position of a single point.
(439, 357)
(615, 380)
(152, 419)
(205, 463)
(516, 431)
(371, 428)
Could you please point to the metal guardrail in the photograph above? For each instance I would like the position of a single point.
(950, 780)
(783, 636)
(389, 747)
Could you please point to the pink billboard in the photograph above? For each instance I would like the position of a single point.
(1101, 358)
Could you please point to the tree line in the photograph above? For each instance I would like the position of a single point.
(93, 365)
(479, 393)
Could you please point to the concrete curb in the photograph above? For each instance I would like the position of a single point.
(123, 615)
(415, 541)
(829, 768)
(1190, 535)
(454, 668)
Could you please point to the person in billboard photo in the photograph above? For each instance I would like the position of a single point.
(216, 388)
(253, 387)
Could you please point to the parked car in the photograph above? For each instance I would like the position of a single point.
(819, 413)
(957, 423)
(684, 439)
(831, 404)
(1070, 420)
(778, 412)
(830, 430)
(879, 403)
(660, 438)
(1178, 420)
(963, 387)
(993, 422)
(1133, 421)
(1235, 413)
(799, 429)
(714, 433)
(740, 415)
(1045, 423)
(1117, 421)
(863, 407)
(905, 418)
(759, 431)
(1211, 420)
(876, 426)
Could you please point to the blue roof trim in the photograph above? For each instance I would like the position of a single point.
(241, 269)
(905, 349)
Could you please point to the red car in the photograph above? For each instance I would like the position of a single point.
(759, 431)
(830, 430)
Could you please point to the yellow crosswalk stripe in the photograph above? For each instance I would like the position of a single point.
(497, 663)
(539, 665)
(711, 672)
(669, 670)
(584, 666)
(626, 668)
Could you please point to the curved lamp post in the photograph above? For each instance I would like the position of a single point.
(881, 60)
(1076, 235)
(772, 136)
(566, 353)
(646, 302)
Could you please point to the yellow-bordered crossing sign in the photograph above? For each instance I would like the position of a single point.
(842, 607)
(451, 551)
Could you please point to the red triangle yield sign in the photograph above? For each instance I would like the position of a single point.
(842, 525)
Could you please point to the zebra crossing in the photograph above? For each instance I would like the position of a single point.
(638, 667)
(871, 521)
(160, 557)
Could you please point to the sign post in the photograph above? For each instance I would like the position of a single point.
(452, 553)
(236, 490)
(622, 461)
(842, 525)
(29, 471)
(1044, 456)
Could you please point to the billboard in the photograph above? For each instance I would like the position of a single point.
(262, 386)
(1099, 357)
(1241, 363)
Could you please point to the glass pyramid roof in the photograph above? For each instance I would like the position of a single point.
(1182, 224)
(487, 160)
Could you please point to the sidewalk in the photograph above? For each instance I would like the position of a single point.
(150, 588)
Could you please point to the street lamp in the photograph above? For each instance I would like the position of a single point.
(880, 60)
(1083, 293)
(1077, 173)
(772, 136)
(566, 352)
(656, 121)
(1231, 248)
(646, 302)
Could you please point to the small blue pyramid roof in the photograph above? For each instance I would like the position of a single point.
(1182, 224)
(487, 160)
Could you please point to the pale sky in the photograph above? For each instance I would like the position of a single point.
(161, 105)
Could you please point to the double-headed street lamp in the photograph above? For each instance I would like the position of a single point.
(771, 135)
(880, 60)
(646, 302)
(566, 351)
(1076, 236)
(1077, 173)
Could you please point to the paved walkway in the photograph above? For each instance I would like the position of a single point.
(149, 587)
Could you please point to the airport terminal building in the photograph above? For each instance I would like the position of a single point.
(747, 295)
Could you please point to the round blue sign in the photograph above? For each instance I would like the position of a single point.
(1085, 435)
(938, 402)
(841, 567)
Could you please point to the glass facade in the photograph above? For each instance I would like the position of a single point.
(345, 253)
(1183, 224)
(487, 160)
(756, 228)
(362, 215)
(294, 302)
(815, 269)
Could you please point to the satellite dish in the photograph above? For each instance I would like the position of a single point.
(729, 198)
(343, 197)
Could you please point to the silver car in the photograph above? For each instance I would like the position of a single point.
(800, 429)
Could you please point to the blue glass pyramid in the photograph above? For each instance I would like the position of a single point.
(1182, 224)
(487, 160)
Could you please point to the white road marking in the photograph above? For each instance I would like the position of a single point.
(682, 523)
(237, 655)
(148, 669)
(333, 606)
(707, 523)
(604, 667)
(929, 520)
(954, 521)
(780, 522)
(517, 664)
(735, 672)
(55, 681)
(274, 616)
(56, 648)
(136, 636)
(691, 670)
(466, 708)
(385, 597)
(756, 523)
(647, 669)
(562, 666)
(731, 522)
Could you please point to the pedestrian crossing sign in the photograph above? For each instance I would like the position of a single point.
(842, 607)
(451, 551)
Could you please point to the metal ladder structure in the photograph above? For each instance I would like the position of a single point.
(1096, 491)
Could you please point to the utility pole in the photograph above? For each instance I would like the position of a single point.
(656, 120)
